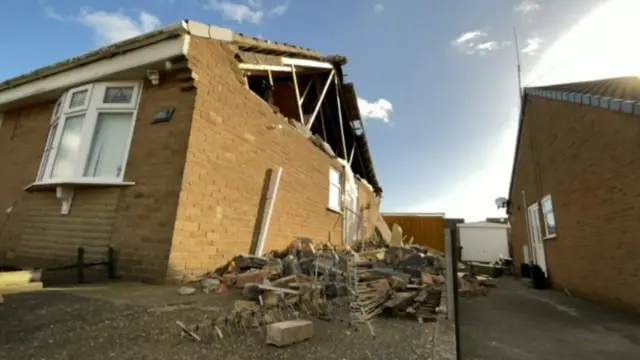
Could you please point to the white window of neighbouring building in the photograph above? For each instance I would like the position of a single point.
(90, 134)
(549, 218)
(335, 189)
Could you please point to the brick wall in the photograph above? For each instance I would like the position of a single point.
(235, 138)
(589, 162)
(138, 220)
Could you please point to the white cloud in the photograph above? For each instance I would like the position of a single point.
(526, 6)
(53, 14)
(533, 44)
(378, 8)
(110, 27)
(279, 10)
(474, 197)
(380, 109)
(476, 42)
(116, 26)
(252, 12)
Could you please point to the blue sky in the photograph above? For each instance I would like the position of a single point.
(436, 78)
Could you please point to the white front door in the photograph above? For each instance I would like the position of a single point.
(536, 237)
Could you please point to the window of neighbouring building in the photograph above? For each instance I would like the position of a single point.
(335, 189)
(90, 133)
(549, 218)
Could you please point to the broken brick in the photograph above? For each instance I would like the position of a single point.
(289, 332)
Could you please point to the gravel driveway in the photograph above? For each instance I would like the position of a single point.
(63, 325)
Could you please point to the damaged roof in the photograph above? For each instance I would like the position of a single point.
(185, 27)
(247, 48)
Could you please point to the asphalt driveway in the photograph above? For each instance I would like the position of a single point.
(515, 322)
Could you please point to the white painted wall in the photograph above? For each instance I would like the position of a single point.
(483, 241)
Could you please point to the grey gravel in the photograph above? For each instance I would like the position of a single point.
(62, 325)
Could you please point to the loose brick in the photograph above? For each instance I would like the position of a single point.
(289, 332)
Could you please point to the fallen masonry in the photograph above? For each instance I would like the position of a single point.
(290, 289)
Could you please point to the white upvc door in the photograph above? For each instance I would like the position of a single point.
(536, 236)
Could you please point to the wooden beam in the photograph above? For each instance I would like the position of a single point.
(306, 63)
(344, 144)
(295, 84)
(321, 99)
(263, 67)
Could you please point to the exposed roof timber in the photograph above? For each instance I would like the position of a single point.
(306, 63)
(261, 67)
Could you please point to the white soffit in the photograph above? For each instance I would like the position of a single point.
(306, 63)
(136, 58)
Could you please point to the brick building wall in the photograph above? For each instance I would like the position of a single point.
(235, 138)
(588, 160)
(138, 220)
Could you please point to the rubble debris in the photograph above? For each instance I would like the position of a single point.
(289, 332)
(472, 285)
(186, 290)
(308, 282)
(210, 284)
(396, 235)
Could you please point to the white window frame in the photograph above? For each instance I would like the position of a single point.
(93, 106)
(338, 185)
(545, 212)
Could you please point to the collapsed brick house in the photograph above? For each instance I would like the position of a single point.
(573, 202)
(165, 146)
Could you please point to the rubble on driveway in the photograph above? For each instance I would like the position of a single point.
(302, 283)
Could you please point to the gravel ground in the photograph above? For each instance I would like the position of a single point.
(61, 325)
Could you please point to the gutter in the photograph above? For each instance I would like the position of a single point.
(109, 51)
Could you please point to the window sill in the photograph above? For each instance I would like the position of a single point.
(549, 237)
(334, 210)
(50, 185)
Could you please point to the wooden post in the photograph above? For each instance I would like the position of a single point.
(344, 144)
(80, 265)
(111, 266)
(295, 85)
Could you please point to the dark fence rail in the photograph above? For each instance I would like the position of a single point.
(80, 265)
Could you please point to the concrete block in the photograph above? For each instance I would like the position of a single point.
(289, 332)
(256, 277)
(20, 288)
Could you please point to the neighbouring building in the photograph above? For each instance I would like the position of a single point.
(168, 148)
(573, 200)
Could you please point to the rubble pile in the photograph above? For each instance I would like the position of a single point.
(473, 285)
(367, 279)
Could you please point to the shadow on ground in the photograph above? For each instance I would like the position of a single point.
(516, 322)
(138, 322)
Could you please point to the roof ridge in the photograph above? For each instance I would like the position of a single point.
(606, 102)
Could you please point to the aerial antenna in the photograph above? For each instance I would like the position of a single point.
(515, 37)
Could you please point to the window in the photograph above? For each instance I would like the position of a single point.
(90, 134)
(549, 218)
(335, 189)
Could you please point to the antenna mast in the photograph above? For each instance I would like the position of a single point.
(515, 36)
